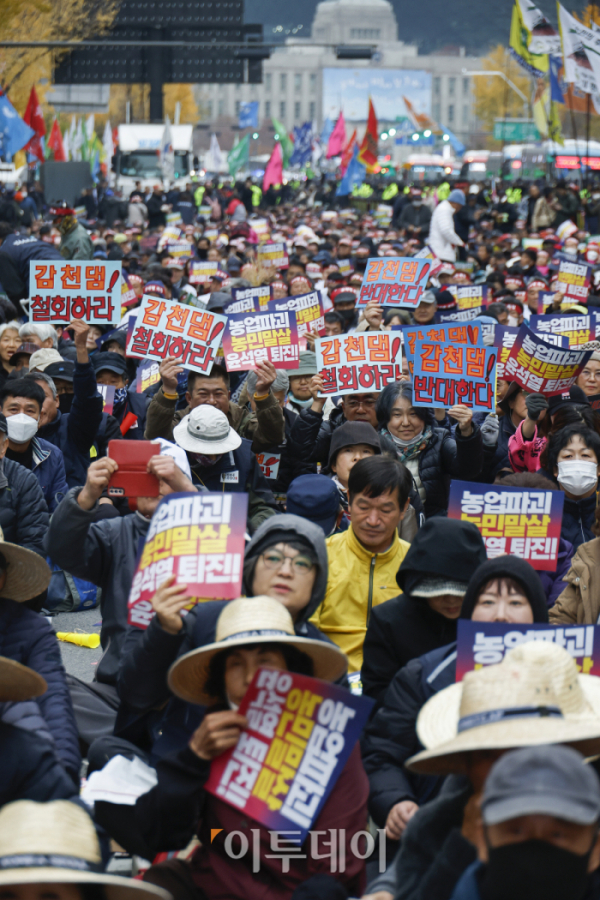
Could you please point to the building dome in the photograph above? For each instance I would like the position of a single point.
(359, 21)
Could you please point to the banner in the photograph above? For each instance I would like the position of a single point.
(108, 397)
(180, 250)
(545, 301)
(514, 521)
(170, 329)
(358, 363)
(63, 291)
(394, 282)
(202, 272)
(470, 296)
(199, 539)
(273, 255)
(574, 280)
(272, 336)
(300, 734)
(504, 339)
(541, 368)
(577, 329)
(308, 309)
(445, 374)
(462, 315)
(485, 643)
(454, 334)
(253, 299)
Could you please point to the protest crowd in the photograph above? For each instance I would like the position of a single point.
(329, 476)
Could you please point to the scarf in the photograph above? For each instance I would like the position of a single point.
(408, 450)
(342, 492)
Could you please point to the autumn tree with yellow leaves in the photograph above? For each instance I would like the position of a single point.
(494, 99)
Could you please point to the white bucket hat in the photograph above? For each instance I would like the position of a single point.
(206, 430)
(534, 696)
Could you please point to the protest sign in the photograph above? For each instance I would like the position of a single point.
(202, 272)
(272, 336)
(212, 234)
(269, 464)
(462, 315)
(253, 299)
(170, 329)
(147, 375)
(574, 281)
(577, 329)
(450, 333)
(300, 734)
(108, 397)
(128, 295)
(174, 218)
(262, 228)
(427, 253)
(469, 296)
(308, 309)
(545, 301)
(272, 255)
(541, 368)
(345, 267)
(504, 338)
(485, 643)
(62, 291)
(358, 363)
(394, 281)
(179, 250)
(199, 539)
(445, 374)
(515, 521)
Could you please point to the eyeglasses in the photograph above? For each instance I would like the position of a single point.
(589, 374)
(274, 559)
(352, 403)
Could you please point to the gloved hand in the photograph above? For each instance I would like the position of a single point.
(490, 429)
(536, 404)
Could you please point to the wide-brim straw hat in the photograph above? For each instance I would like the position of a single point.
(534, 696)
(19, 682)
(56, 843)
(251, 620)
(27, 575)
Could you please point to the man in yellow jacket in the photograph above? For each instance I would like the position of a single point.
(363, 561)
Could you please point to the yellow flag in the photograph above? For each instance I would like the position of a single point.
(535, 63)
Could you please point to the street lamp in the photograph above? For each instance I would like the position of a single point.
(415, 137)
(255, 135)
(446, 137)
(383, 136)
(427, 133)
(392, 132)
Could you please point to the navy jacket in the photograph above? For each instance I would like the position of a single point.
(75, 432)
(27, 638)
(49, 469)
(23, 512)
(138, 405)
(30, 769)
(578, 519)
(23, 248)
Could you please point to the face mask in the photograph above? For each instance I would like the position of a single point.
(21, 428)
(65, 401)
(120, 396)
(513, 321)
(534, 870)
(204, 460)
(577, 476)
(417, 202)
(303, 404)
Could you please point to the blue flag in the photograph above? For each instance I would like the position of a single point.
(556, 89)
(458, 147)
(14, 133)
(248, 115)
(302, 145)
(353, 177)
(327, 129)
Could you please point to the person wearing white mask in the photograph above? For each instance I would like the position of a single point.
(573, 458)
(21, 402)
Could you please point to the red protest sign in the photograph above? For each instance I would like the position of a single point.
(62, 291)
(163, 328)
(574, 280)
(358, 363)
(309, 312)
(199, 539)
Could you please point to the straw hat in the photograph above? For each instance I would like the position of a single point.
(56, 843)
(18, 682)
(27, 575)
(534, 696)
(251, 620)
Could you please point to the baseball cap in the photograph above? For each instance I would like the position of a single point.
(111, 362)
(41, 359)
(428, 297)
(217, 300)
(316, 498)
(63, 369)
(549, 780)
(27, 347)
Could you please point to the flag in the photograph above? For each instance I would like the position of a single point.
(55, 143)
(420, 121)
(76, 141)
(520, 38)
(458, 147)
(581, 61)
(274, 169)
(108, 145)
(348, 151)
(556, 88)
(367, 154)
(90, 127)
(303, 136)
(167, 155)
(327, 129)
(541, 96)
(287, 144)
(355, 175)
(543, 38)
(35, 119)
(239, 156)
(14, 132)
(95, 165)
(337, 138)
(248, 117)
(554, 126)
(214, 160)
(83, 141)
(66, 146)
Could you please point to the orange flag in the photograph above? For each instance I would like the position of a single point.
(347, 154)
(55, 142)
(368, 149)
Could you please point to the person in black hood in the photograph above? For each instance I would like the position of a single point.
(505, 589)
(433, 577)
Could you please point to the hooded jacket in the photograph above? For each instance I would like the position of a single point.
(579, 603)
(406, 626)
(390, 737)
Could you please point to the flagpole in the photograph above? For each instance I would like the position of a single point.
(574, 128)
(587, 141)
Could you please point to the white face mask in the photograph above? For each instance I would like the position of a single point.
(21, 428)
(513, 321)
(577, 476)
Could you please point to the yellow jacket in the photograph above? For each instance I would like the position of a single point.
(358, 580)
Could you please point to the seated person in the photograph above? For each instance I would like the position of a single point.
(168, 816)
(574, 461)
(129, 408)
(21, 401)
(349, 443)
(23, 511)
(265, 428)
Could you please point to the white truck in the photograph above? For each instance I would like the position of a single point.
(137, 155)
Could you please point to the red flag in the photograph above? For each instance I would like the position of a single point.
(348, 151)
(368, 149)
(55, 142)
(337, 138)
(35, 119)
(274, 169)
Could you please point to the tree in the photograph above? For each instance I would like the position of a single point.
(494, 98)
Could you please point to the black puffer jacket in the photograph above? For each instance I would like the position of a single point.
(446, 457)
(23, 512)
(310, 435)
